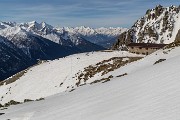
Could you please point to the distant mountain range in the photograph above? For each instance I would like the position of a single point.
(158, 25)
(23, 44)
(101, 36)
(101, 85)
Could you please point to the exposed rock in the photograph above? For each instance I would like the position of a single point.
(178, 37)
(40, 99)
(12, 102)
(157, 26)
(27, 100)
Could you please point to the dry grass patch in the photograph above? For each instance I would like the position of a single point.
(103, 67)
(172, 45)
(13, 78)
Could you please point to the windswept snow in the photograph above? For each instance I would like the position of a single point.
(45, 79)
(148, 92)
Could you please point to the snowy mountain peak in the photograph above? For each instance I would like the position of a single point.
(158, 25)
(4, 25)
(83, 30)
(32, 23)
(37, 26)
(101, 36)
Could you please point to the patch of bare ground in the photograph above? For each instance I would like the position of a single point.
(13, 78)
(107, 50)
(13, 102)
(103, 67)
(172, 45)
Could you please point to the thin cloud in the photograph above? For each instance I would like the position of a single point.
(93, 13)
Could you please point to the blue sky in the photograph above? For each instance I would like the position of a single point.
(93, 13)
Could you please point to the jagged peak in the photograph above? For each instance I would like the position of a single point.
(159, 6)
(44, 24)
(33, 22)
(36, 25)
(7, 24)
(158, 25)
(93, 31)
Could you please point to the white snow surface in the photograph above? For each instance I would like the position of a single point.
(148, 92)
(44, 80)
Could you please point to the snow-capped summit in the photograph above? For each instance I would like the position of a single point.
(43, 41)
(147, 89)
(38, 26)
(4, 25)
(158, 25)
(35, 27)
(87, 31)
(40, 29)
(40, 41)
(101, 36)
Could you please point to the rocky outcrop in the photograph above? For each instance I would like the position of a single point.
(159, 25)
(178, 37)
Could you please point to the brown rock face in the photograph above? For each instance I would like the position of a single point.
(156, 26)
(178, 37)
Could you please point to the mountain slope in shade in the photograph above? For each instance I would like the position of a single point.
(43, 30)
(159, 25)
(37, 47)
(39, 41)
(55, 76)
(149, 91)
(12, 59)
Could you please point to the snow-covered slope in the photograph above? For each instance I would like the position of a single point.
(159, 25)
(101, 36)
(149, 91)
(40, 41)
(53, 77)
